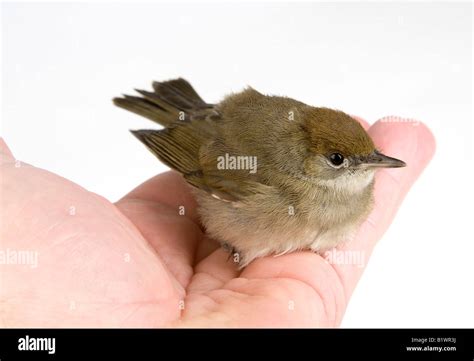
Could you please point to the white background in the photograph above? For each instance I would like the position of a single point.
(62, 64)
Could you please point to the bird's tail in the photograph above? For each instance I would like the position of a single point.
(171, 101)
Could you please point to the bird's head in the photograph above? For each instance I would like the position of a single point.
(341, 153)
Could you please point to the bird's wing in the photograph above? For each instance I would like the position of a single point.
(190, 143)
(205, 163)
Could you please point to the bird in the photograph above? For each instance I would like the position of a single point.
(271, 175)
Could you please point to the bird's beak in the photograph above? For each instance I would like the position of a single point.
(379, 160)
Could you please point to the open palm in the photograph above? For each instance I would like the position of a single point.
(143, 263)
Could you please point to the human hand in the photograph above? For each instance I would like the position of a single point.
(139, 263)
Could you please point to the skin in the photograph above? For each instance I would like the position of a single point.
(133, 263)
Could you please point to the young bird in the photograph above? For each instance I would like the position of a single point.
(271, 174)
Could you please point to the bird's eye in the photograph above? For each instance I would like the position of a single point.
(336, 159)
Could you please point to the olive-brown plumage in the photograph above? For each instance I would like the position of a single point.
(271, 174)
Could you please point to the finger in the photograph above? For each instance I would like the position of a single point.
(213, 272)
(163, 210)
(4, 150)
(365, 124)
(314, 276)
(173, 237)
(168, 188)
(411, 142)
(205, 248)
